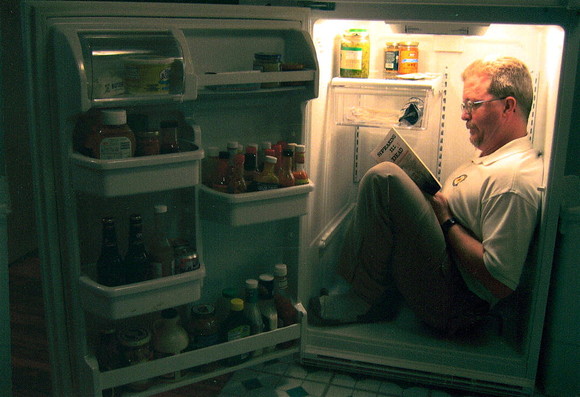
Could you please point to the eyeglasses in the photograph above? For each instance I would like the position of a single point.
(468, 106)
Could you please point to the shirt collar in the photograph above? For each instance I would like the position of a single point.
(516, 146)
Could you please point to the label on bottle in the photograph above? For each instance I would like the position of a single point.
(115, 148)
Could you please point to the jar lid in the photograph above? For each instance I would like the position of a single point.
(300, 148)
(202, 310)
(237, 305)
(409, 43)
(114, 116)
(252, 283)
(280, 269)
(147, 134)
(134, 337)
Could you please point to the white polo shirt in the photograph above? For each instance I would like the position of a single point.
(496, 197)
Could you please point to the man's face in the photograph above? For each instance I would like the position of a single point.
(483, 120)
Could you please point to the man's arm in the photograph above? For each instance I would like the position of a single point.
(467, 249)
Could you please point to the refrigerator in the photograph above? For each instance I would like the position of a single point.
(76, 54)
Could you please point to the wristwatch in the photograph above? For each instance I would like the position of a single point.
(448, 224)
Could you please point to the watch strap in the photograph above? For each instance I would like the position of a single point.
(448, 224)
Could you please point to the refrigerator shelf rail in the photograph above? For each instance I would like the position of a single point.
(192, 359)
(111, 178)
(254, 207)
(114, 303)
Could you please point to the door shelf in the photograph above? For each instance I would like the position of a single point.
(254, 207)
(110, 178)
(130, 300)
(187, 361)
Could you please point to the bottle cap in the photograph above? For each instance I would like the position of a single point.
(114, 116)
(237, 305)
(252, 283)
(202, 310)
(266, 145)
(270, 159)
(281, 269)
(301, 148)
(160, 209)
(233, 145)
(252, 148)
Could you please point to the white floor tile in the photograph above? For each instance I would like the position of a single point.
(391, 389)
(337, 391)
(416, 392)
(363, 393)
(368, 384)
(314, 389)
(343, 380)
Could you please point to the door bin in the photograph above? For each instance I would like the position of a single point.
(561, 345)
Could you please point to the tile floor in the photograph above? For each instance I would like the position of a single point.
(286, 378)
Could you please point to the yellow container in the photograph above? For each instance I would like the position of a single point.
(147, 75)
(408, 57)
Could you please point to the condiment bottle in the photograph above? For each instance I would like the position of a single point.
(232, 147)
(237, 183)
(169, 339)
(278, 154)
(355, 54)
(391, 60)
(136, 259)
(160, 249)
(408, 57)
(110, 269)
(287, 313)
(221, 179)
(266, 179)
(168, 129)
(224, 302)
(250, 164)
(147, 141)
(266, 145)
(252, 311)
(209, 165)
(300, 175)
(236, 326)
(114, 140)
(266, 304)
(285, 176)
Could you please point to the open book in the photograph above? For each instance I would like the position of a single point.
(394, 148)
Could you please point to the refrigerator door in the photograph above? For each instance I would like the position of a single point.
(76, 64)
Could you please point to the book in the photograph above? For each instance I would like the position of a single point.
(394, 148)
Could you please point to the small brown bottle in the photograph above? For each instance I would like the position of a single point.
(168, 131)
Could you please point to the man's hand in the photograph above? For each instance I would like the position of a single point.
(440, 206)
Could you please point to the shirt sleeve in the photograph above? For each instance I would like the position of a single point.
(508, 223)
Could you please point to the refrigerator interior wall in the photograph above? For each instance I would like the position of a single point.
(404, 347)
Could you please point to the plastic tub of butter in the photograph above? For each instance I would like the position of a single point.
(147, 74)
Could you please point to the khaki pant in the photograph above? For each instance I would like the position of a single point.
(395, 241)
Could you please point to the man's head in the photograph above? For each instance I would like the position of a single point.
(497, 99)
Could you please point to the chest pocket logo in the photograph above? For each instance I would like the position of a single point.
(459, 179)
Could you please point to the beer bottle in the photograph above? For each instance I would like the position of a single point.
(110, 263)
(136, 259)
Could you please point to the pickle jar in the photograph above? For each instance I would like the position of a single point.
(355, 49)
(408, 57)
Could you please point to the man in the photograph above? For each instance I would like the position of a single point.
(454, 255)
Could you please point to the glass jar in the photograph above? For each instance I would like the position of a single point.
(135, 348)
(147, 143)
(408, 57)
(391, 65)
(355, 49)
(268, 62)
(204, 331)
